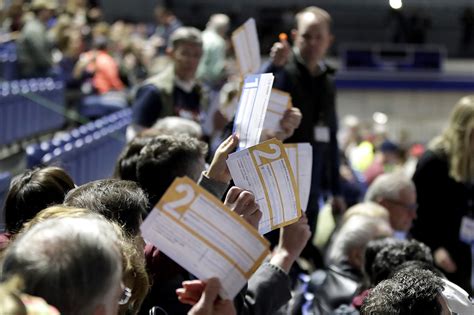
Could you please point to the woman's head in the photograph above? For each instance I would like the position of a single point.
(457, 141)
(33, 191)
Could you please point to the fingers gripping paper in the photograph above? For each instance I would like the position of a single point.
(265, 170)
(252, 109)
(199, 233)
(247, 48)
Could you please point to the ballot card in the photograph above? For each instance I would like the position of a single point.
(265, 170)
(279, 102)
(198, 232)
(301, 161)
(247, 48)
(252, 109)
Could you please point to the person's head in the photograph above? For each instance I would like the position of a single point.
(134, 275)
(126, 166)
(44, 9)
(457, 141)
(174, 125)
(371, 251)
(33, 191)
(351, 240)
(407, 292)
(185, 51)
(368, 209)
(395, 254)
(166, 157)
(396, 193)
(219, 22)
(163, 15)
(121, 201)
(73, 263)
(312, 35)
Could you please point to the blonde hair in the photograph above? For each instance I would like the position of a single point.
(455, 141)
(367, 209)
(10, 301)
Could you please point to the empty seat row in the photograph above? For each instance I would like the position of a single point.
(29, 107)
(88, 152)
(35, 152)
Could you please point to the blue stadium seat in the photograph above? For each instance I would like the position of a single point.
(90, 151)
(5, 179)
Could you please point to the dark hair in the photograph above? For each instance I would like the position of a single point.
(33, 191)
(410, 291)
(163, 159)
(126, 166)
(121, 201)
(393, 255)
(372, 249)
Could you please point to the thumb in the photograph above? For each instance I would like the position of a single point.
(210, 294)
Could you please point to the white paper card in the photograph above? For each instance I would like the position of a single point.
(279, 102)
(265, 170)
(301, 160)
(253, 103)
(198, 232)
(247, 48)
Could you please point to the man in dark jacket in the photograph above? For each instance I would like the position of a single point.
(302, 72)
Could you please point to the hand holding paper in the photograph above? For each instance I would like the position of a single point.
(243, 203)
(265, 170)
(199, 233)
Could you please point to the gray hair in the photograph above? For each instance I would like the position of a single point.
(185, 34)
(70, 262)
(355, 233)
(175, 126)
(388, 186)
(218, 22)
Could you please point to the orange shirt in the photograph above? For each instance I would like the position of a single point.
(106, 72)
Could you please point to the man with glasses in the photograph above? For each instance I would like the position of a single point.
(396, 193)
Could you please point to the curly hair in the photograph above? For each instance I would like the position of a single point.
(395, 254)
(409, 292)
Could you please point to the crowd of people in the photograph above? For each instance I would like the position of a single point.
(404, 219)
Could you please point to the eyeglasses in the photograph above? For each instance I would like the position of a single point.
(126, 295)
(411, 207)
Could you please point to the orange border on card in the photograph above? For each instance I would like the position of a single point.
(219, 204)
(292, 180)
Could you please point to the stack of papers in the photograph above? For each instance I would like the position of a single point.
(265, 170)
(199, 233)
(252, 109)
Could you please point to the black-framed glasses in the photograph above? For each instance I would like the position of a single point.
(411, 207)
(126, 295)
